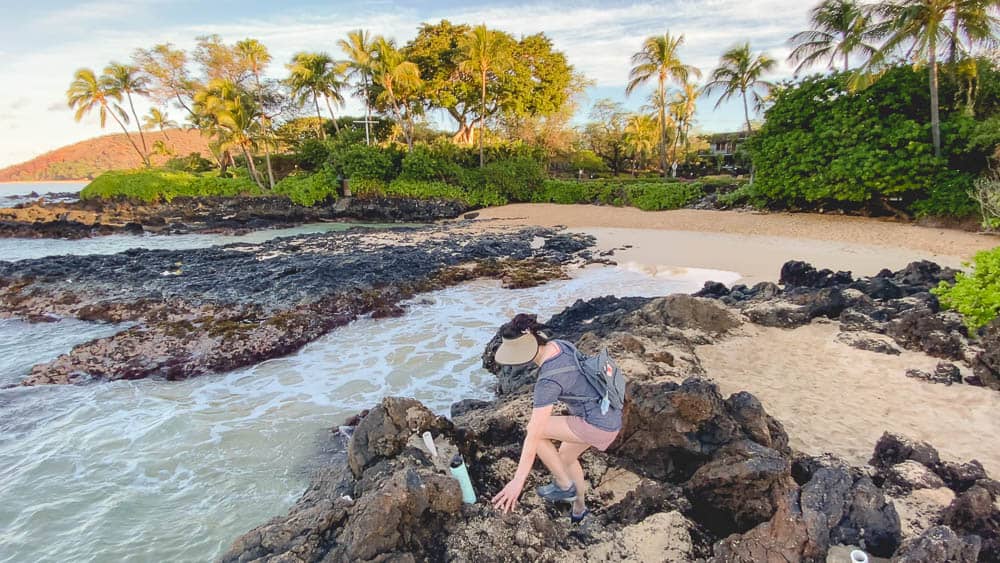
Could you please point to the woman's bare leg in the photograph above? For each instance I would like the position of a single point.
(569, 453)
(553, 462)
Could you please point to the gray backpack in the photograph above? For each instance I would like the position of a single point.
(602, 374)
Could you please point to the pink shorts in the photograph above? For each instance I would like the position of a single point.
(590, 434)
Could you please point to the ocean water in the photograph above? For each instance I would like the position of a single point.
(13, 193)
(175, 471)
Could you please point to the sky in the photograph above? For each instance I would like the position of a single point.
(43, 42)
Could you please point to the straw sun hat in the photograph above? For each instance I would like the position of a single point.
(520, 350)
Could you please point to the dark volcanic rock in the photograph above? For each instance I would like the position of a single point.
(937, 544)
(802, 274)
(975, 511)
(384, 431)
(987, 362)
(940, 335)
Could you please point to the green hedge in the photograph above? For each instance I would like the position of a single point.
(977, 295)
(161, 185)
(655, 195)
(309, 189)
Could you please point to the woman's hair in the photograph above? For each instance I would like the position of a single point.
(522, 324)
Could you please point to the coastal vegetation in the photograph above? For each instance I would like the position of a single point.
(905, 121)
(975, 295)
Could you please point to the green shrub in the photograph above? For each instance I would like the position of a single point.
(193, 163)
(367, 187)
(746, 194)
(977, 295)
(309, 189)
(424, 164)
(513, 179)
(162, 185)
(357, 161)
(659, 197)
(576, 191)
(440, 190)
(588, 161)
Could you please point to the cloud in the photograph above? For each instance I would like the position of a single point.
(57, 106)
(19, 103)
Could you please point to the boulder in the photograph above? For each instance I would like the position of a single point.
(802, 274)
(387, 428)
(687, 312)
(869, 341)
(892, 449)
(910, 475)
(940, 335)
(937, 545)
(986, 364)
(976, 512)
(739, 488)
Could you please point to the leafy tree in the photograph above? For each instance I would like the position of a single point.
(485, 54)
(126, 79)
(220, 61)
(659, 59)
(360, 50)
(741, 72)
(398, 82)
(605, 134)
(87, 93)
(840, 28)
(158, 119)
(682, 108)
(826, 144)
(971, 19)
(167, 69)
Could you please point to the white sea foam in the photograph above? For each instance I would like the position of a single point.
(174, 471)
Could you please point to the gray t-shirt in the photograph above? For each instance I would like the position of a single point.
(552, 387)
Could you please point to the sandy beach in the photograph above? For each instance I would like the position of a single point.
(831, 397)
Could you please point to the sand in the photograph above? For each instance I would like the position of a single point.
(830, 397)
(837, 399)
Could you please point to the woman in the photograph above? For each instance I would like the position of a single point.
(559, 379)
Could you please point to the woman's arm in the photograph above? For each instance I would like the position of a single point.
(506, 499)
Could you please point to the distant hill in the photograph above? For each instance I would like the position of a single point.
(86, 159)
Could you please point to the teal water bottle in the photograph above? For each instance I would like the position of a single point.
(461, 473)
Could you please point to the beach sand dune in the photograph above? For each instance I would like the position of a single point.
(837, 399)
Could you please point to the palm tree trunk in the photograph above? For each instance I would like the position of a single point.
(145, 149)
(265, 126)
(663, 129)
(319, 116)
(252, 168)
(482, 124)
(746, 112)
(935, 116)
(333, 117)
(368, 113)
(953, 56)
(127, 134)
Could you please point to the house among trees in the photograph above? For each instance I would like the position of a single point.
(725, 144)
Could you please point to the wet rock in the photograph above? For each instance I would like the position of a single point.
(467, 405)
(712, 290)
(870, 342)
(961, 476)
(687, 312)
(938, 544)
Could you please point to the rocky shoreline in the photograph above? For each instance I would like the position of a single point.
(228, 215)
(694, 476)
(216, 309)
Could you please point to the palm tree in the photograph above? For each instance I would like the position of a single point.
(683, 107)
(158, 119)
(256, 57)
(314, 75)
(741, 72)
(973, 19)
(840, 28)
(87, 93)
(232, 115)
(484, 51)
(640, 136)
(659, 58)
(360, 50)
(399, 80)
(126, 79)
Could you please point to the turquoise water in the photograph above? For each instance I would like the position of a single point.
(175, 471)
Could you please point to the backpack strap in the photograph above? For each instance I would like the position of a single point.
(579, 369)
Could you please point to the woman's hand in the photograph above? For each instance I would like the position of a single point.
(506, 499)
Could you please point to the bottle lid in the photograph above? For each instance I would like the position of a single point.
(457, 461)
